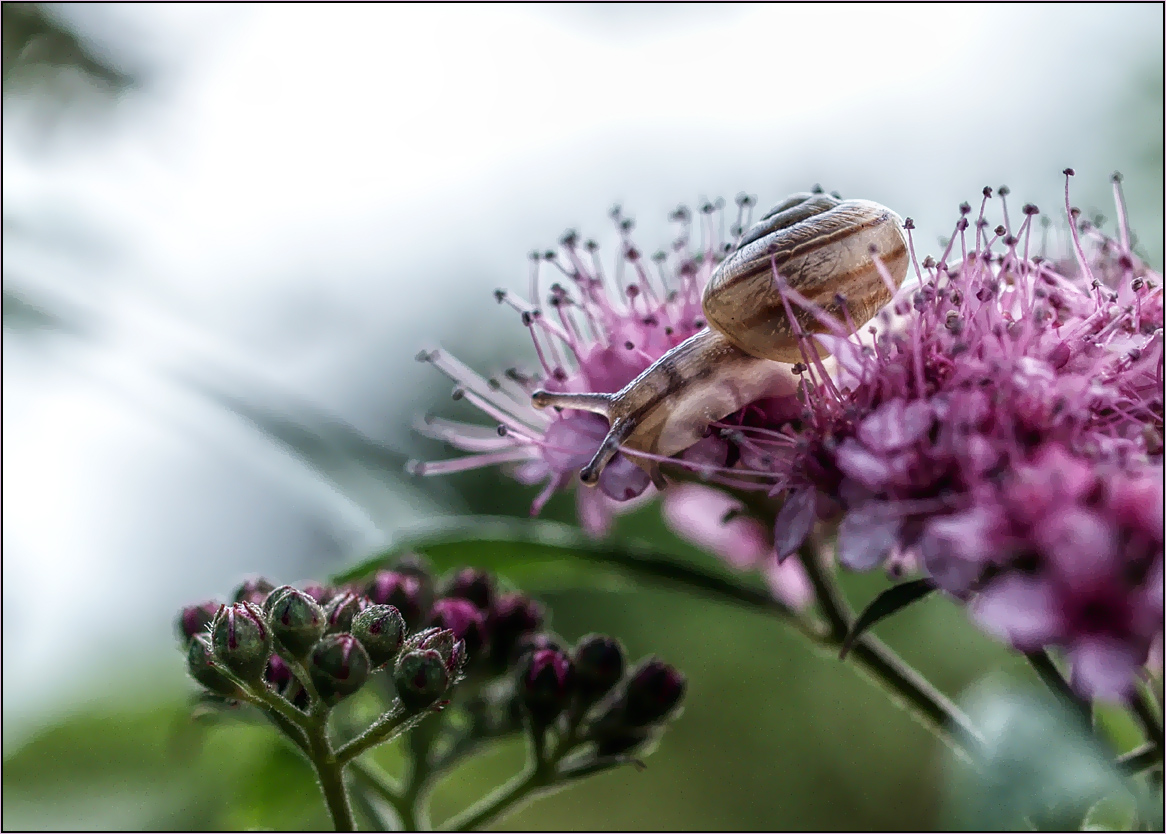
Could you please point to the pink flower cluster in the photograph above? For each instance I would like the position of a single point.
(1000, 426)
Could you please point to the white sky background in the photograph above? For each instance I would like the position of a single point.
(308, 193)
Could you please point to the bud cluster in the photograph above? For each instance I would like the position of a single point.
(584, 690)
(297, 652)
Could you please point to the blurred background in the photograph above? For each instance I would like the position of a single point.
(227, 231)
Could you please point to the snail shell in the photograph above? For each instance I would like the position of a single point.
(824, 248)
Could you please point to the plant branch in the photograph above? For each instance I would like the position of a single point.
(1139, 759)
(1054, 680)
(379, 783)
(1147, 716)
(502, 801)
(392, 723)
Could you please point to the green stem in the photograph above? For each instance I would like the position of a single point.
(879, 661)
(502, 801)
(379, 783)
(312, 738)
(1054, 680)
(392, 723)
(1147, 716)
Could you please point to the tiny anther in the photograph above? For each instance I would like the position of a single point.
(909, 223)
(499, 295)
(1069, 172)
(1029, 209)
(987, 192)
(630, 345)
(501, 430)
(817, 189)
(423, 356)
(999, 230)
(458, 393)
(965, 208)
(527, 318)
(1003, 191)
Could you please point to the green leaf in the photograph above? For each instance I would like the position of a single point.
(544, 556)
(1115, 812)
(1040, 768)
(890, 601)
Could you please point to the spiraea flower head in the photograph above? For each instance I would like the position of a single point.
(954, 432)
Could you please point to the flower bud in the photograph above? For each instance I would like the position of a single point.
(464, 619)
(532, 642)
(253, 590)
(404, 592)
(194, 619)
(599, 665)
(295, 619)
(421, 677)
(339, 666)
(654, 690)
(341, 610)
(322, 594)
(381, 630)
(511, 617)
(199, 662)
(470, 583)
(452, 651)
(278, 674)
(546, 684)
(241, 640)
(621, 741)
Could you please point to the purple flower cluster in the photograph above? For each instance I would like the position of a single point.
(1000, 425)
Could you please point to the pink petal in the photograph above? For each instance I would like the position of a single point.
(956, 548)
(594, 512)
(1080, 545)
(895, 425)
(1104, 668)
(697, 514)
(794, 522)
(856, 462)
(622, 480)
(570, 442)
(788, 582)
(1020, 610)
(865, 537)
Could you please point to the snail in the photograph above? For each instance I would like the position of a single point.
(824, 248)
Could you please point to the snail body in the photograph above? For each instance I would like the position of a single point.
(825, 249)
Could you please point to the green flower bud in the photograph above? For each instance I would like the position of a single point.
(199, 662)
(339, 666)
(295, 619)
(341, 610)
(194, 619)
(421, 678)
(381, 630)
(254, 590)
(241, 640)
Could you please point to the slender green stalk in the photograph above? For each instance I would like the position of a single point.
(1054, 680)
(394, 722)
(500, 802)
(1147, 716)
(879, 662)
(379, 783)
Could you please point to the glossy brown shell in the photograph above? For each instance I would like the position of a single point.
(822, 247)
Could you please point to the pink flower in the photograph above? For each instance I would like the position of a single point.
(597, 333)
(713, 520)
